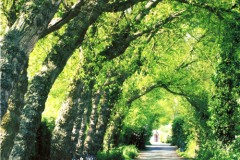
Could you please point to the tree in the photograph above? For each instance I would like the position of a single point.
(19, 41)
(52, 72)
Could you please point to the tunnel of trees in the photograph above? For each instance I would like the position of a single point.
(85, 77)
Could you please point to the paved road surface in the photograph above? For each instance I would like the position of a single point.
(159, 151)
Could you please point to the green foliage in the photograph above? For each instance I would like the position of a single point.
(190, 148)
(121, 153)
(114, 154)
(216, 150)
(129, 152)
(49, 122)
(224, 106)
(179, 135)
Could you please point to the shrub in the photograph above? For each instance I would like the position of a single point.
(137, 136)
(129, 152)
(114, 154)
(185, 137)
(215, 150)
(179, 136)
(120, 153)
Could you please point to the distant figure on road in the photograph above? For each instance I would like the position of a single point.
(156, 136)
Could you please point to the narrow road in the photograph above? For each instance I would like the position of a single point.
(159, 151)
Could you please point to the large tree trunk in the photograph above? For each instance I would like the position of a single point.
(82, 132)
(104, 121)
(20, 41)
(41, 84)
(78, 123)
(103, 118)
(61, 138)
(66, 131)
(113, 132)
(10, 121)
(88, 144)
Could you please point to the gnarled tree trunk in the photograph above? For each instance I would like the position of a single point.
(10, 121)
(20, 41)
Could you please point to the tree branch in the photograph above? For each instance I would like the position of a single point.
(159, 84)
(186, 64)
(75, 9)
(149, 89)
(174, 92)
(121, 6)
(55, 25)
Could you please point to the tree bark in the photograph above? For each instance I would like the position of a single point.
(102, 122)
(82, 132)
(41, 84)
(82, 111)
(10, 121)
(20, 41)
(61, 138)
(88, 144)
(113, 132)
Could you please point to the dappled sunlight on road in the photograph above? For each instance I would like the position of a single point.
(159, 151)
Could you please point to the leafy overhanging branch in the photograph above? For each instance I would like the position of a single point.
(76, 9)
(127, 37)
(124, 37)
(11, 13)
(166, 86)
(213, 9)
